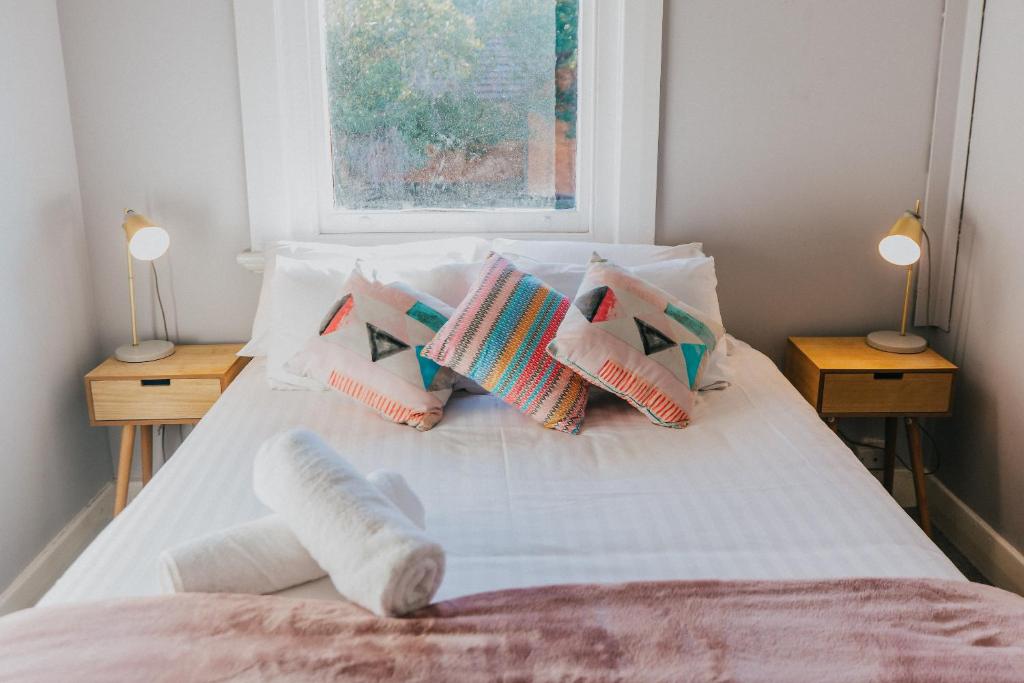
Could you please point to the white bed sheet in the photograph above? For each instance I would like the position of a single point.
(756, 487)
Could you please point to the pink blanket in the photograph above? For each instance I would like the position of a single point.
(848, 630)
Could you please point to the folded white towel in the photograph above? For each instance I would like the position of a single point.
(262, 556)
(376, 557)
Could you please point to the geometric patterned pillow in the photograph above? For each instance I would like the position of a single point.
(638, 342)
(497, 337)
(368, 349)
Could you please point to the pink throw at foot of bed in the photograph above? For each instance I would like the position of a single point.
(839, 630)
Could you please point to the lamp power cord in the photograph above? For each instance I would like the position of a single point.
(167, 337)
(928, 434)
(160, 300)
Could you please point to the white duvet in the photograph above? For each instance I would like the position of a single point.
(756, 487)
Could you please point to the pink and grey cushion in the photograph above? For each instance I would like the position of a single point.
(368, 348)
(497, 337)
(638, 342)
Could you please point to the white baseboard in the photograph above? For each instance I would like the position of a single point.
(983, 546)
(41, 573)
(993, 555)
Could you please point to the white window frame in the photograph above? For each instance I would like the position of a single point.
(947, 161)
(286, 135)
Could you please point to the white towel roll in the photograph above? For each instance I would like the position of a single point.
(396, 489)
(376, 557)
(264, 555)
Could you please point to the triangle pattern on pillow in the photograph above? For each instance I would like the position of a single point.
(382, 344)
(596, 305)
(693, 354)
(428, 369)
(337, 315)
(652, 339)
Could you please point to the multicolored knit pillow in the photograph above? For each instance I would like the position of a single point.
(368, 348)
(638, 342)
(497, 337)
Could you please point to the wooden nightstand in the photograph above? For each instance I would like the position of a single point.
(844, 377)
(178, 389)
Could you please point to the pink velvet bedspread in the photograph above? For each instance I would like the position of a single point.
(846, 630)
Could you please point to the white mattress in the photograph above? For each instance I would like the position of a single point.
(756, 487)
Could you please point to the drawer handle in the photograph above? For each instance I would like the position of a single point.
(155, 382)
(888, 375)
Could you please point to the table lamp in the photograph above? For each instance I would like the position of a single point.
(146, 242)
(902, 247)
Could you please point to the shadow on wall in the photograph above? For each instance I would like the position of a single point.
(768, 293)
(973, 466)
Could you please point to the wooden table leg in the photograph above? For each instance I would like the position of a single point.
(124, 468)
(889, 471)
(917, 463)
(146, 451)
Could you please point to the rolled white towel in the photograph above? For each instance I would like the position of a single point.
(374, 555)
(264, 555)
(396, 489)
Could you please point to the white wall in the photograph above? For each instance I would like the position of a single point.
(792, 136)
(793, 133)
(154, 99)
(51, 462)
(982, 444)
(154, 103)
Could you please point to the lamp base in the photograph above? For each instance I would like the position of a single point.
(154, 349)
(894, 342)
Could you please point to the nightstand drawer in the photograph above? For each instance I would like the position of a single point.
(153, 399)
(906, 393)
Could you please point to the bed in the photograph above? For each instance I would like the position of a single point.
(756, 488)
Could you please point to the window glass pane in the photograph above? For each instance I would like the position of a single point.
(459, 104)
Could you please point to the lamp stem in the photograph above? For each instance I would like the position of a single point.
(131, 292)
(906, 301)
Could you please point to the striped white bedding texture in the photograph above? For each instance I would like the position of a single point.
(756, 487)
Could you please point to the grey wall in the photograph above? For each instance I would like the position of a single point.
(792, 136)
(51, 462)
(983, 442)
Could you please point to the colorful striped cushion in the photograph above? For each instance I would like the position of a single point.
(638, 342)
(368, 349)
(497, 337)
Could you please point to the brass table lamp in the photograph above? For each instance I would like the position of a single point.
(902, 247)
(144, 241)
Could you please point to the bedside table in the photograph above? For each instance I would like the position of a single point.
(844, 377)
(178, 389)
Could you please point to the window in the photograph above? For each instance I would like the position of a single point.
(452, 104)
(365, 121)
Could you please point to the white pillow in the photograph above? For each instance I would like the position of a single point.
(691, 280)
(580, 252)
(299, 294)
(426, 252)
(449, 282)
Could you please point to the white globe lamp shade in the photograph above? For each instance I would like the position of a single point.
(899, 250)
(149, 243)
(902, 244)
